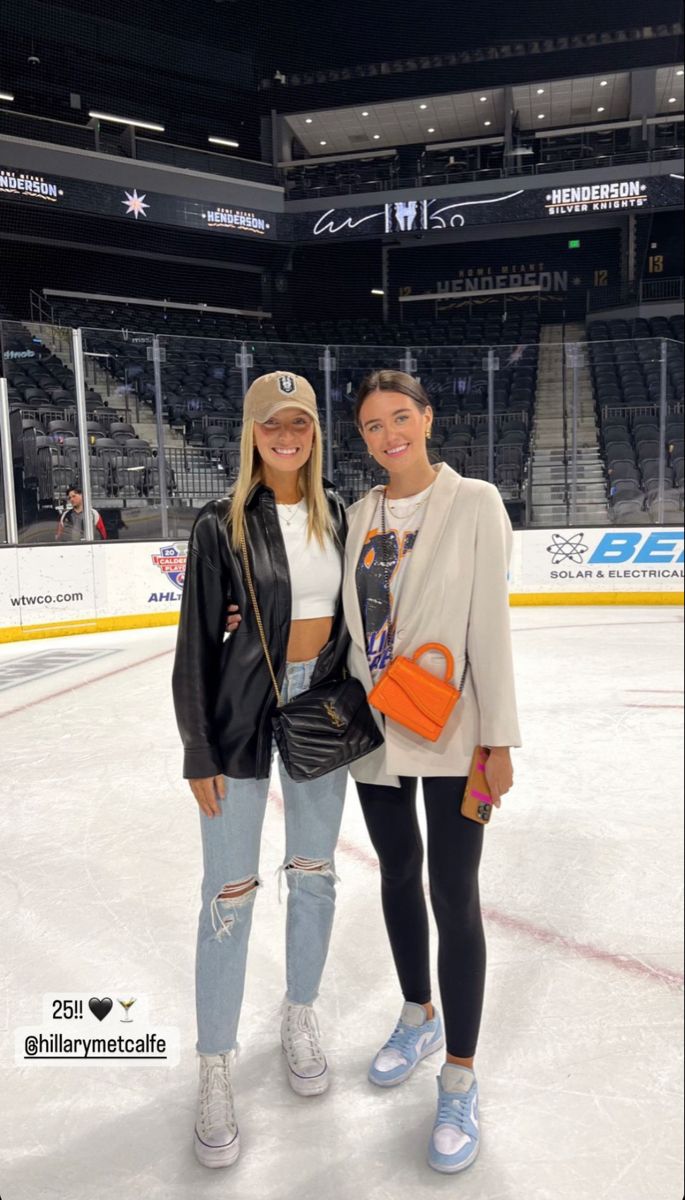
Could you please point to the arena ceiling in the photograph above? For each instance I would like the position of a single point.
(544, 105)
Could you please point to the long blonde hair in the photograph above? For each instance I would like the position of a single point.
(310, 479)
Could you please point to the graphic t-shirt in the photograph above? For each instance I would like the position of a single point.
(381, 572)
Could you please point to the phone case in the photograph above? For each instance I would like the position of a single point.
(477, 802)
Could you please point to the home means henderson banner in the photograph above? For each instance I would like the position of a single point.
(135, 204)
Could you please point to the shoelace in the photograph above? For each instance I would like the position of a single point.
(403, 1038)
(216, 1098)
(453, 1109)
(304, 1035)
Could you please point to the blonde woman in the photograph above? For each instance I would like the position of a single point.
(294, 526)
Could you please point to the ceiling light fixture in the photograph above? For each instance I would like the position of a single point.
(100, 116)
(603, 82)
(322, 143)
(216, 141)
(541, 116)
(365, 114)
(6, 96)
(431, 130)
(423, 106)
(377, 292)
(601, 108)
(376, 136)
(671, 100)
(482, 99)
(541, 91)
(487, 122)
(680, 71)
(308, 120)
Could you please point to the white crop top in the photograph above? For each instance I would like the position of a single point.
(315, 573)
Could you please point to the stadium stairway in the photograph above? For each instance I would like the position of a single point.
(550, 462)
(99, 380)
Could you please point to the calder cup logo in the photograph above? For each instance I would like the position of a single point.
(286, 384)
(172, 564)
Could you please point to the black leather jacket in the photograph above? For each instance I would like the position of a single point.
(223, 694)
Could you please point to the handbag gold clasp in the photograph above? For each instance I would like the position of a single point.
(332, 715)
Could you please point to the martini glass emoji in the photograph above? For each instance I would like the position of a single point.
(126, 1004)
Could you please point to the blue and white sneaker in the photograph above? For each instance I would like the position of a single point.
(413, 1038)
(455, 1139)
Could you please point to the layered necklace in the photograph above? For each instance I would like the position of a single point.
(404, 514)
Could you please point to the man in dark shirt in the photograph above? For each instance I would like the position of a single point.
(71, 525)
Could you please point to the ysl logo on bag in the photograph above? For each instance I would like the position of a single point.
(333, 716)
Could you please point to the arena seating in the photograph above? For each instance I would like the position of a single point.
(626, 370)
(459, 164)
(177, 322)
(349, 175)
(202, 397)
(203, 387)
(45, 444)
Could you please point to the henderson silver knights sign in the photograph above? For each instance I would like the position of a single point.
(515, 204)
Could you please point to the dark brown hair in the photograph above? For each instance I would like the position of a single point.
(390, 381)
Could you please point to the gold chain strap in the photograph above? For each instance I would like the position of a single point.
(258, 616)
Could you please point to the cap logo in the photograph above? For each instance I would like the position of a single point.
(286, 384)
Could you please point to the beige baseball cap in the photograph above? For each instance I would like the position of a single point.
(280, 389)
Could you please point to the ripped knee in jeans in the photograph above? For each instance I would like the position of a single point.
(299, 866)
(231, 897)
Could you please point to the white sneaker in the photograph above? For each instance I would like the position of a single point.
(217, 1141)
(301, 1041)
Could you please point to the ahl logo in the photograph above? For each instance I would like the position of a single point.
(172, 564)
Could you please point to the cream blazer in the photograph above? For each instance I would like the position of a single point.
(455, 592)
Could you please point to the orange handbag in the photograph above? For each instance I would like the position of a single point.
(413, 697)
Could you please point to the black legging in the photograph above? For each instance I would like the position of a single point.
(454, 850)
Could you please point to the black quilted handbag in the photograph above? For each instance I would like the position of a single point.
(324, 728)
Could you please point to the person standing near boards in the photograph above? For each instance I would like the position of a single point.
(277, 539)
(426, 561)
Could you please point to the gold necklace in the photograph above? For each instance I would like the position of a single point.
(293, 512)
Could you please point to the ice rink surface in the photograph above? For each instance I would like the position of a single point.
(581, 1045)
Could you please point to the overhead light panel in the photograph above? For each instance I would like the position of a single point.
(308, 120)
(217, 141)
(6, 96)
(100, 116)
(603, 82)
(423, 106)
(377, 292)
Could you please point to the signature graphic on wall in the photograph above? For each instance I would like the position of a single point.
(409, 216)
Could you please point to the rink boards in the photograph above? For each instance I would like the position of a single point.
(50, 591)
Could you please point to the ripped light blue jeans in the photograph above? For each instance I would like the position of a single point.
(230, 846)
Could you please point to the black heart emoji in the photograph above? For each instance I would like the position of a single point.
(100, 1008)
